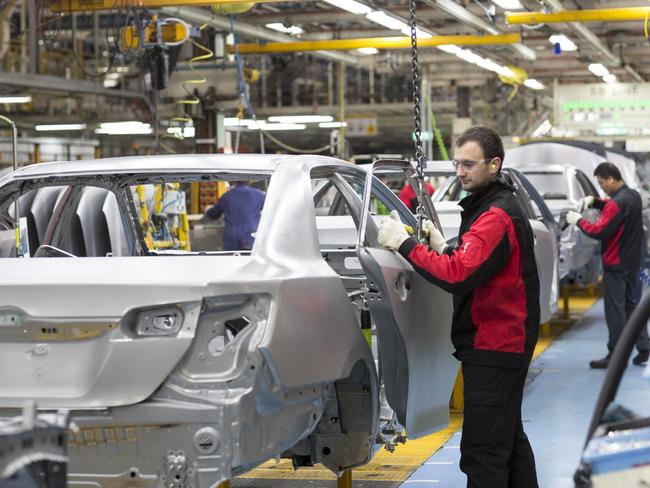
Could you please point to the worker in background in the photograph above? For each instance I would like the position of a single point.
(241, 207)
(410, 199)
(493, 276)
(620, 230)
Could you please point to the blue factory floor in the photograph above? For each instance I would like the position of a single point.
(558, 403)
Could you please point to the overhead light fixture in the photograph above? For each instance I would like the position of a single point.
(534, 84)
(280, 27)
(382, 18)
(598, 69)
(420, 33)
(55, 127)
(182, 132)
(273, 127)
(332, 125)
(565, 43)
(509, 4)
(15, 99)
(351, 6)
(450, 48)
(300, 119)
(236, 122)
(609, 78)
(368, 50)
(543, 129)
(124, 128)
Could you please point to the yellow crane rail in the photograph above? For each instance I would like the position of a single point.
(593, 15)
(66, 6)
(376, 42)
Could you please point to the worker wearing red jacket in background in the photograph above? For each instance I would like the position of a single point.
(408, 196)
(620, 230)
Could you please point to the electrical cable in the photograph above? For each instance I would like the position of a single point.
(294, 149)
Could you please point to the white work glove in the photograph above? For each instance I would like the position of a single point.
(585, 203)
(392, 232)
(436, 240)
(572, 217)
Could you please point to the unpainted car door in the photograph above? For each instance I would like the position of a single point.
(545, 233)
(413, 322)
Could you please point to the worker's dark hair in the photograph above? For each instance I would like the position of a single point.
(607, 170)
(487, 138)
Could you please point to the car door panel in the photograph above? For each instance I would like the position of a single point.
(413, 320)
(545, 255)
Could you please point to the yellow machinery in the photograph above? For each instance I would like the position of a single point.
(592, 15)
(160, 32)
(66, 6)
(164, 219)
(403, 42)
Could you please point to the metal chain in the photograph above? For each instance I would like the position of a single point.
(419, 152)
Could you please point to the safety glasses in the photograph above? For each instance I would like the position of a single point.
(468, 164)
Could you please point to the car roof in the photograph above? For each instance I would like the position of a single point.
(172, 163)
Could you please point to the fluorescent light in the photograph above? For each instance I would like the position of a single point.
(272, 127)
(236, 122)
(351, 6)
(609, 78)
(300, 119)
(543, 129)
(15, 99)
(534, 84)
(185, 132)
(53, 127)
(598, 69)
(565, 43)
(332, 125)
(421, 34)
(368, 50)
(469, 56)
(124, 128)
(382, 18)
(450, 48)
(509, 4)
(279, 26)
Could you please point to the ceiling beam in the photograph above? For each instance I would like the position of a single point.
(465, 16)
(592, 15)
(201, 17)
(403, 42)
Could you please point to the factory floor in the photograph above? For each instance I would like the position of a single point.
(559, 398)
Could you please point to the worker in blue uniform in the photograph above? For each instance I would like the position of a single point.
(241, 207)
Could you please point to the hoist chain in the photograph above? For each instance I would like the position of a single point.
(419, 152)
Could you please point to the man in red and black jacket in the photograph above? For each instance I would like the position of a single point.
(492, 274)
(620, 230)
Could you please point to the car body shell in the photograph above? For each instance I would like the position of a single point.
(196, 400)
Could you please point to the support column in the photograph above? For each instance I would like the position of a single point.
(345, 479)
(32, 37)
(341, 141)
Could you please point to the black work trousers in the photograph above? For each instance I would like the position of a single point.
(622, 291)
(494, 450)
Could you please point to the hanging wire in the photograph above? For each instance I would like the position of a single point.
(245, 94)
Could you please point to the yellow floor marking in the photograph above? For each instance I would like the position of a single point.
(398, 465)
(385, 466)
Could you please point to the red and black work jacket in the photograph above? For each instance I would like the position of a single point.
(619, 228)
(492, 274)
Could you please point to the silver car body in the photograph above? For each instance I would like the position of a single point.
(141, 347)
(544, 229)
(562, 187)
